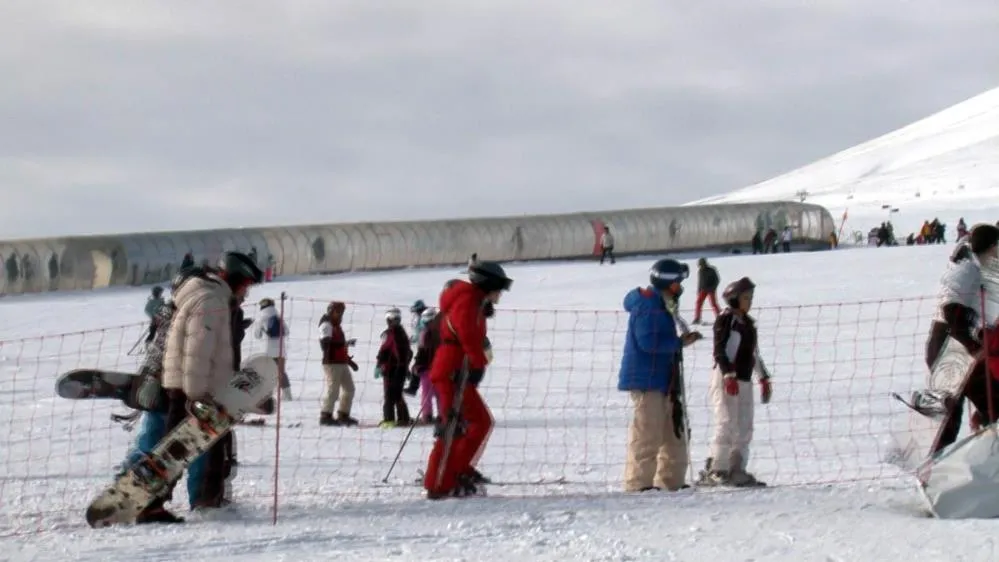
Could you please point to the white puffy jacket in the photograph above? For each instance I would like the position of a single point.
(199, 353)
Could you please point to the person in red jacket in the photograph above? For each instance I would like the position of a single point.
(460, 362)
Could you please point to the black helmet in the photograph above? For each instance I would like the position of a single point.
(489, 276)
(239, 267)
(157, 291)
(665, 272)
(736, 288)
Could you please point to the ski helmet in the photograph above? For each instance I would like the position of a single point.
(393, 315)
(157, 291)
(667, 271)
(239, 268)
(735, 289)
(266, 302)
(489, 276)
(418, 307)
(428, 314)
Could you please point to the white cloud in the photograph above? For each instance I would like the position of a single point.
(120, 115)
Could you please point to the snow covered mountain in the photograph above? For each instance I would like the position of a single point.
(945, 165)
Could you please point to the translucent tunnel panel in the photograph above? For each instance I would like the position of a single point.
(86, 262)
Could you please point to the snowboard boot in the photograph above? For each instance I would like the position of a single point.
(327, 419)
(713, 478)
(742, 479)
(157, 514)
(467, 487)
(477, 477)
(345, 419)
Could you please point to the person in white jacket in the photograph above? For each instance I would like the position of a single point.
(271, 328)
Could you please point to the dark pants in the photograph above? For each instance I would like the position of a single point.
(607, 253)
(394, 406)
(976, 390)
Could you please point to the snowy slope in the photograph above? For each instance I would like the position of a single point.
(552, 392)
(946, 164)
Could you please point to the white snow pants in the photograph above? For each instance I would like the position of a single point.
(733, 424)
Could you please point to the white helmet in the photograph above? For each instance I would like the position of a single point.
(428, 314)
(393, 315)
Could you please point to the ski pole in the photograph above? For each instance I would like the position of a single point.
(452, 424)
(138, 341)
(399, 454)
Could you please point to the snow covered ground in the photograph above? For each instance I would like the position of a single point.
(946, 166)
(552, 390)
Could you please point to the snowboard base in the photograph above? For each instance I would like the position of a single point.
(91, 384)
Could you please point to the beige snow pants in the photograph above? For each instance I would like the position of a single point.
(339, 385)
(656, 455)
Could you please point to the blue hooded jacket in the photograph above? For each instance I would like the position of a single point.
(651, 343)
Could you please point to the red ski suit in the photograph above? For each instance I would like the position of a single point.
(462, 334)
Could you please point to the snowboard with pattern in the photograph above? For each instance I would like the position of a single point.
(148, 479)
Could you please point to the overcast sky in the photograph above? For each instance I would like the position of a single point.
(157, 114)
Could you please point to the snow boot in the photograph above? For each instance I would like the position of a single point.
(327, 419)
(345, 419)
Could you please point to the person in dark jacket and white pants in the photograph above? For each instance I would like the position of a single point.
(737, 358)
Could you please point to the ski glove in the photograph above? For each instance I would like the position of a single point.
(353, 366)
(766, 391)
(351, 342)
(731, 385)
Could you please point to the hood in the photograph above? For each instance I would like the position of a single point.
(457, 291)
(641, 298)
(194, 286)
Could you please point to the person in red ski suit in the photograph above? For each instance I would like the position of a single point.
(463, 309)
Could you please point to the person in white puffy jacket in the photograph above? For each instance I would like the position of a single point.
(270, 328)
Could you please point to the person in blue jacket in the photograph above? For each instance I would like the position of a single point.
(650, 372)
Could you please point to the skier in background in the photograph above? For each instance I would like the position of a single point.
(392, 365)
(606, 246)
(657, 455)
(154, 302)
(338, 367)
(460, 362)
(416, 320)
(272, 328)
(707, 288)
(419, 374)
(200, 356)
(737, 358)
